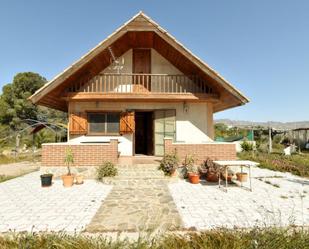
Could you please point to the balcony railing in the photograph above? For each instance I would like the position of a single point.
(142, 83)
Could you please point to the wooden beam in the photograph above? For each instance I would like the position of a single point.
(143, 96)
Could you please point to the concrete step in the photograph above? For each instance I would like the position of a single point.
(138, 167)
(138, 182)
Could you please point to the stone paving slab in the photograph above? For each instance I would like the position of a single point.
(26, 206)
(138, 207)
(275, 200)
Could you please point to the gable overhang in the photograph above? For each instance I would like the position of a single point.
(140, 31)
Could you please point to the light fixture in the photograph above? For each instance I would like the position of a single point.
(185, 107)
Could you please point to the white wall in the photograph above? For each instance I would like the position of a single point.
(191, 126)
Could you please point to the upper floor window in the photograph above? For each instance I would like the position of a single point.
(104, 123)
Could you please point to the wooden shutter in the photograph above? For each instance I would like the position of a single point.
(78, 123)
(127, 123)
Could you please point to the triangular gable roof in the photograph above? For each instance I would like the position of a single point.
(140, 22)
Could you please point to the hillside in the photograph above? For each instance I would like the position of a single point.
(276, 125)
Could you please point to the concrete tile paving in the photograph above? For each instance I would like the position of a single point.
(26, 206)
(281, 200)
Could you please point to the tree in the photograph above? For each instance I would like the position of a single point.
(14, 102)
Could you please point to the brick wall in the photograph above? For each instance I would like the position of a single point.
(215, 151)
(84, 154)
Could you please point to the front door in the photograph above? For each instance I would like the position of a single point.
(141, 65)
(144, 133)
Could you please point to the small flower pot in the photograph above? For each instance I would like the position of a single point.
(194, 178)
(79, 179)
(46, 180)
(228, 177)
(67, 180)
(242, 177)
(212, 177)
(173, 172)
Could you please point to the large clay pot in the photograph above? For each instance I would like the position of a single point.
(67, 180)
(242, 177)
(194, 178)
(212, 177)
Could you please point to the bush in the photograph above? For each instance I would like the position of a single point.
(169, 163)
(245, 146)
(107, 169)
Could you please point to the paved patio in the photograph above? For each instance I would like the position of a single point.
(277, 199)
(138, 202)
(26, 206)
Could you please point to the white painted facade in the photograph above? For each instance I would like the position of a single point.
(191, 122)
(192, 119)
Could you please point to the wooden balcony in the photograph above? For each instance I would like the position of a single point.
(142, 86)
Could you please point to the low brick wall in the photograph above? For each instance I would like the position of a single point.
(84, 154)
(215, 151)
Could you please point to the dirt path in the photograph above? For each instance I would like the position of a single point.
(20, 168)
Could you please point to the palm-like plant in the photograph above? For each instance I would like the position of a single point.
(69, 159)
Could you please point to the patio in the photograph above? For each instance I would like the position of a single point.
(135, 203)
(278, 199)
(26, 206)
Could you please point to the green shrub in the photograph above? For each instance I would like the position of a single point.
(245, 146)
(169, 163)
(296, 164)
(107, 169)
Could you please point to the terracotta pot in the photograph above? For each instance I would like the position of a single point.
(242, 177)
(67, 180)
(189, 174)
(229, 177)
(212, 177)
(79, 179)
(194, 178)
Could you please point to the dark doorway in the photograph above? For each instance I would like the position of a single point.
(144, 133)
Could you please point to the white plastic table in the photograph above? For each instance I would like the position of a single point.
(223, 165)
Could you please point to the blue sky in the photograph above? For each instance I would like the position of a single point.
(261, 47)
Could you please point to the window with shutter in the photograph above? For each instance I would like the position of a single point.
(103, 123)
(127, 123)
(78, 123)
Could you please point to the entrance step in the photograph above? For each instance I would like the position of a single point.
(138, 182)
(138, 167)
(139, 175)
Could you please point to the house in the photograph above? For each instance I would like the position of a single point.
(138, 92)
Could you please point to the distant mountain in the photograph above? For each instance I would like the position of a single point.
(273, 124)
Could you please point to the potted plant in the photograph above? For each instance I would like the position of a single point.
(46, 179)
(212, 174)
(228, 176)
(189, 165)
(193, 173)
(169, 164)
(242, 177)
(191, 169)
(68, 179)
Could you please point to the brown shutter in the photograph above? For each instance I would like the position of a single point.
(78, 123)
(127, 123)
